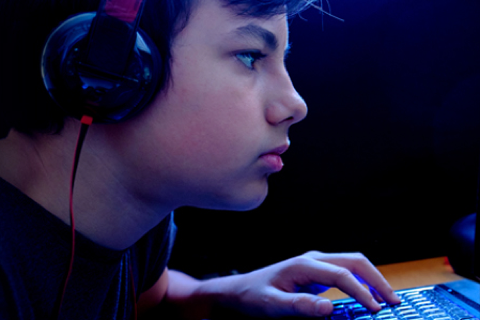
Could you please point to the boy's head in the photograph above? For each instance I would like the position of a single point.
(28, 23)
(213, 134)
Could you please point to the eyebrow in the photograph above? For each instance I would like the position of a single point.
(260, 33)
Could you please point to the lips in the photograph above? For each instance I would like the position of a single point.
(279, 150)
(272, 158)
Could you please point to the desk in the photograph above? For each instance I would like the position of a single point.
(409, 275)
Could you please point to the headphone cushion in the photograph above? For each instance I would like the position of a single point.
(83, 89)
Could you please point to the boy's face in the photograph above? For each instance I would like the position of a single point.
(213, 136)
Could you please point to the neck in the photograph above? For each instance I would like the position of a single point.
(107, 208)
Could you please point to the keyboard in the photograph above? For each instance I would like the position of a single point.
(417, 304)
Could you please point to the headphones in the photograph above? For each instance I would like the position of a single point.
(101, 67)
(101, 64)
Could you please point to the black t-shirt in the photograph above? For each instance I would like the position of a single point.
(34, 258)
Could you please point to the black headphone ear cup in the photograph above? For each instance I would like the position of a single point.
(83, 89)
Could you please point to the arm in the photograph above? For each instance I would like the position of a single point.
(177, 295)
(275, 290)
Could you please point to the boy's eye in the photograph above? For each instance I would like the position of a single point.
(249, 58)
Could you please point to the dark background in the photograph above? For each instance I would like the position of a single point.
(387, 158)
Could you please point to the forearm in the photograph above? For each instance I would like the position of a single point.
(189, 298)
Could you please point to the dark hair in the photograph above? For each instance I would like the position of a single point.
(26, 24)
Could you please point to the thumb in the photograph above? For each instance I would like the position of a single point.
(303, 304)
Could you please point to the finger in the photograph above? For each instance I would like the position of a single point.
(302, 304)
(368, 274)
(359, 265)
(313, 271)
(376, 296)
(374, 293)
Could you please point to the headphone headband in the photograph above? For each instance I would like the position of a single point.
(124, 10)
(112, 34)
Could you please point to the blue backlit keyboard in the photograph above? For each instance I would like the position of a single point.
(421, 304)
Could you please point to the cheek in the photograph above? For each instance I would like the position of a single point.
(210, 139)
(214, 113)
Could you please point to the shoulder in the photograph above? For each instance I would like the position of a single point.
(153, 251)
(28, 249)
(161, 237)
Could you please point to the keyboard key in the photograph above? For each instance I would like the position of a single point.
(386, 317)
(407, 311)
(384, 312)
(403, 308)
(422, 303)
(425, 306)
(431, 310)
(413, 301)
(413, 296)
(361, 311)
(436, 315)
(367, 317)
(339, 311)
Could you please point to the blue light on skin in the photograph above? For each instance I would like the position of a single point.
(316, 288)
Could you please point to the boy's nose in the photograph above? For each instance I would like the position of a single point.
(287, 105)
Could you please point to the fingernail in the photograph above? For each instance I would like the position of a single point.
(322, 307)
(396, 297)
(375, 305)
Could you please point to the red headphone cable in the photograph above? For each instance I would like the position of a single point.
(86, 121)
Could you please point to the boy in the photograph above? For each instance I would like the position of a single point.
(209, 138)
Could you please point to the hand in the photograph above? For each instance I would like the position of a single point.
(275, 291)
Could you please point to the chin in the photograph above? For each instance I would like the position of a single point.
(247, 206)
(240, 201)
